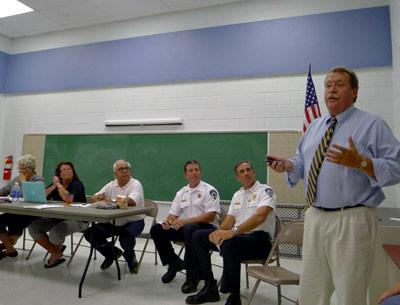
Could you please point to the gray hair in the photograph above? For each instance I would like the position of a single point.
(115, 164)
(27, 161)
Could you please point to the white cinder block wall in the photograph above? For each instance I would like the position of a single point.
(271, 103)
(252, 104)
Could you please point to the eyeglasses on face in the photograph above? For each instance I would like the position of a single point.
(123, 169)
(23, 168)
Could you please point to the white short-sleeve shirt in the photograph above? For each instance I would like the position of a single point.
(193, 202)
(133, 189)
(245, 203)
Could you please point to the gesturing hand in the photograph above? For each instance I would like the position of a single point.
(344, 156)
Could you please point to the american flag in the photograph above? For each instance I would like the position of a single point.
(311, 107)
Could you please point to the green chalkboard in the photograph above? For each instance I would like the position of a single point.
(158, 159)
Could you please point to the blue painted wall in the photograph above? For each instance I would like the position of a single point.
(357, 38)
(4, 57)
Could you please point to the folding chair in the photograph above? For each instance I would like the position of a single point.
(146, 235)
(278, 227)
(292, 234)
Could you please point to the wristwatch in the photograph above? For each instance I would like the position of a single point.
(235, 230)
(363, 163)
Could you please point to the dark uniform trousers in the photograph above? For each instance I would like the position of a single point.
(254, 245)
(162, 240)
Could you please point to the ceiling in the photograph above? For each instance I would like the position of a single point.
(58, 15)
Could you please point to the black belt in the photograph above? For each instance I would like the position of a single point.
(338, 209)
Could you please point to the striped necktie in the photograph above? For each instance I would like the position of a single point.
(316, 163)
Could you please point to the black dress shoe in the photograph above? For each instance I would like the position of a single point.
(190, 286)
(234, 299)
(108, 261)
(209, 293)
(173, 268)
(133, 265)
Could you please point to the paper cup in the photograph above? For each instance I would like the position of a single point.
(122, 202)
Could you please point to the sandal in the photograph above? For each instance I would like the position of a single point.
(4, 254)
(56, 263)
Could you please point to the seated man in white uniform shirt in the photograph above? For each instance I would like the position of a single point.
(245, 234)
(195, 207)
(127, 227)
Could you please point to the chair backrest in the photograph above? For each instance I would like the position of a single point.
(278, 226)
(154, 211)
(292, 233)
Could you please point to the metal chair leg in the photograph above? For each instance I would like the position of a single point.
(247, 276)
(253, 292)
(30, 251)
(73, 250)
(279, 295)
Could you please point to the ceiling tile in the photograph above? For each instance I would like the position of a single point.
(58, 15)
(6, 31)
(82, 13)
(131, 7)
(46, 4)
(27, 22)
(197, 4)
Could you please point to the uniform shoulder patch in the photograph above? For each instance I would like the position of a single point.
(214, 194)
(269, 191)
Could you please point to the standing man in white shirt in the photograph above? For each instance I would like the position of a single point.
(245, 234)
(127, 227)
(195, 207)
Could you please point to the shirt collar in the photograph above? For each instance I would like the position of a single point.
(342, 116)
(252, 189)
(197, 188)
(116, 182)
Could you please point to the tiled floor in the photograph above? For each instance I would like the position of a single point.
(26, 282)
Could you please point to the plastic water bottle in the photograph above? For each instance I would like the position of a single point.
(15, 192)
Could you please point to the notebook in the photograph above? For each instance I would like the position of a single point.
(34, 192)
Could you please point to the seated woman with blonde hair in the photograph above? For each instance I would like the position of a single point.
(68, 188)
(16, 223)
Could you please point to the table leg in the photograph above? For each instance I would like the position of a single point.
(87, 263)
(113, 241)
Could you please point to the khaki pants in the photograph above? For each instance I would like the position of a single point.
(338, 255)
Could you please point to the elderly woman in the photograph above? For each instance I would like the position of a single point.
(16, 223)
(66, 187)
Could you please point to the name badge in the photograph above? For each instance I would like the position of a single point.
(237, 205)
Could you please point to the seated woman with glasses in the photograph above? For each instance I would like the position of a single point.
(66, 187)
(16, 223)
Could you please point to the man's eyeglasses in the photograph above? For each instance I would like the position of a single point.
(123, 169)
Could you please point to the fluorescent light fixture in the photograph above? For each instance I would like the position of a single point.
(12, 7)
(144, 122)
